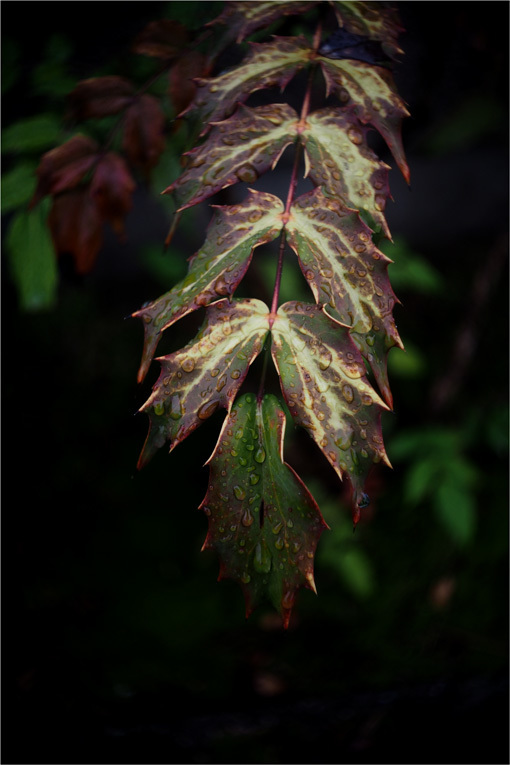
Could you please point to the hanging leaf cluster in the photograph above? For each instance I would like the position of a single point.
(262, 520)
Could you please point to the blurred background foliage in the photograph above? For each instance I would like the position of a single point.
(119, 644)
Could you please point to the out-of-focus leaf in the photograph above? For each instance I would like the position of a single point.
(370, 92)
(33, 134)
(18, 186)
(338, 158)
(63, 168)
(112, 189)
(76, 228)
(263, 522)
(324, 383)
(238, 149)
(217, 268)
(243, 18)
(164, 39)
(206, 374)
(267, 65)
(348, 273)
(143, 139)
(182, 88)
(32, 259)
(100, 97)
(411, 271)
(456, 509)
(410, 364)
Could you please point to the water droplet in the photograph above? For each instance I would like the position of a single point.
(207, 510)
(254, 479)
(221, 286)
(159, 408)
(380, 202)
(235, 374)
(262, 558)
(207, 409)
(277, 528)
(239, 492)
(247, 519)
(221, 383)
(288, 600)
(260, 455)
(279, 544)
(175, 408)
(348, 393)
(247, 174)
(246, 579)
(188, 364)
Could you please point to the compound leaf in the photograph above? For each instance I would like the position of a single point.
(238, 149)
(206, 374)
(263, 521)
(267, 65)
(217, 268)
(323, 379)
(370, 92)
(346, 271)
(338, 158)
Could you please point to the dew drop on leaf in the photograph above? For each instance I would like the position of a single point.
(188, 364)
(260, 455)
(247, 519)
(206, 410)
(239, 492)
(262, 558)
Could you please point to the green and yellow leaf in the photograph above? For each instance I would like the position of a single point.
(323, 379)
(338, 158)
(263, 521)
(206, 374)
(217, 268)
(347, 272)
(267, 65)
(243, 18)
(376, 20)
(238, 149)
(370, 92)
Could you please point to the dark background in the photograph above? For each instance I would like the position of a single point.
(118, 643)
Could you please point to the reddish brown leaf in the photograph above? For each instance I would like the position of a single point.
(112, 189)
(165, 39)
(100, 97)
(182, 89)
(63, 168)
(243, 18)
(144, 139)
(76, 228)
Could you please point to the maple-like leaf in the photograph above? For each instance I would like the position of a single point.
(100, 97)
(64, 167)
(323, 379)
(112, 190)
(266, 65)
(378, 21)
(143, 140)
(346, 271)
(76, 228)
(370, 92)
(263, 521)
(206, 374)
(242, 18)
(338, 157)
(239, 148)
(217, 268)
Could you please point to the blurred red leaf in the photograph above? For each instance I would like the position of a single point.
(112, 190)
(76, 228)
(100, 97)
(144, 139)
(161, 39)
(182, 89)
(63, 168)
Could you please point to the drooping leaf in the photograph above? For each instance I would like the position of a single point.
(206, 374)
(182, 88)
(243, 18)
(378, 21)
(370, 92)
(100, 97)
(144, 140)
(239, 148)
(323, 379)
(263, 521)
(32, 259)
(338, 158)
(18, 186)
(217, 268)
(76, 228)
(64, 167)
(346, 271)
(165, 38)
(267, 65)
(112, 189)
